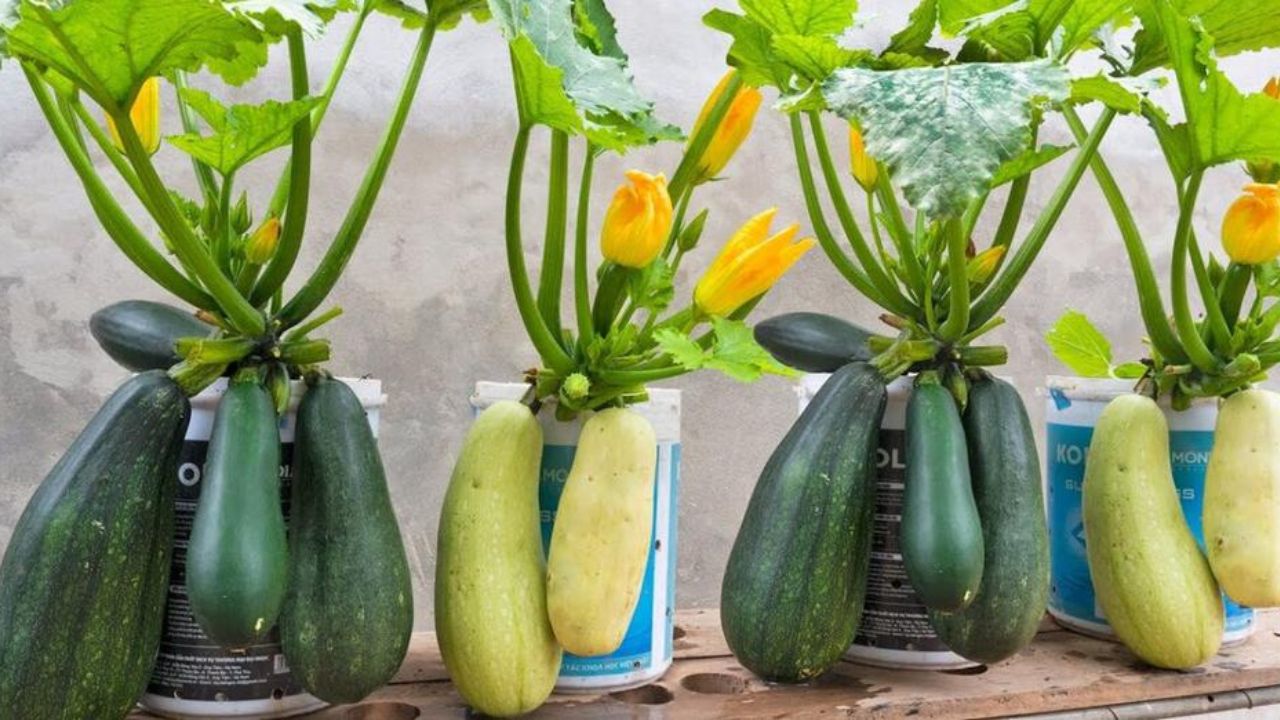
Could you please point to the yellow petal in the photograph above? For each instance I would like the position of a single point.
(638, 220)
(1251, 227)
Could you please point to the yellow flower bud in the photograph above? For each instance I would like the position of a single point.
(145, 115)
(1273, 88)
(864, 166)
(984, 264)
(638, 220)
(1251, 228)
(261, 245)
(733, 130)
(748, 265)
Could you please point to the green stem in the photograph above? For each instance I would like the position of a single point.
(1016, 268)
(553, 355)
(581, 284)
(841, 261)
(222, 233)
(1010, 219)
(299, 184)
(613, 283)
(957, 322)
(344, 244)
(552, 274)
(898, 231)
(686, 172)
(113, 218)
(1216, 323)
(1197, 351)
(629, 378)
(876, 235)
(281, 196)
(204, 174)
(1150, 301)
(682, 207)
(875, 273)
(313, 324)
(105, 145)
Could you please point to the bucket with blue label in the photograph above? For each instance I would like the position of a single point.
(895, 631)
(1072, 409)
(647, 647)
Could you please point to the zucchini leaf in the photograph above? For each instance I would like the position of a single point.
(276, 16)
(915, 37)
(1236, 26)
(448, 13)
(1022, 29)
(1225, 124)
(776, 42)
(83, 42)
(1084, 18)
(734, 352)
(8, 18)
(597, 26)
(944, 132)
(1124, 95)
(1079, 345)
(241, 133)
(599, 88)
(1028, 162)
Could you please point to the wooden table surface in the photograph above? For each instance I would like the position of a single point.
(1062, 675)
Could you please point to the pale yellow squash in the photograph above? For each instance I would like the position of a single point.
(1242, 499)
(603, 527)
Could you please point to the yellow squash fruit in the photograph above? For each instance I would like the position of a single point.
(602, 531)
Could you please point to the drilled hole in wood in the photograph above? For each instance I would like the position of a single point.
(714, 684)
(382, 711)
(975, 670)
(644, 695)
(678, 632)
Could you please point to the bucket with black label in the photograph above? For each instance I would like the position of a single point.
(1071, 412)
(193, 676)
(895, 630)
(647, 647)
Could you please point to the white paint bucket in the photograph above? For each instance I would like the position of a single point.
(646, 649)
(895, 630)
(193, 676)
(1071, 411)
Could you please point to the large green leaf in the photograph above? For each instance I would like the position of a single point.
(1236, 26)
(1022, 29)
(787, 44)
(600, 87)
(447, 13)
(1125, 95)
(240, 133)
(596, 23)
(801, 17)
(944, 132)
(914, 39)
(1225, 124)
(815, 58)
(108, 48)
(1085, 17)
(540, 89)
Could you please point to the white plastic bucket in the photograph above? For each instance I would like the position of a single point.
(193, 676)
(646, 649)
(895, 630)
(1071, 411)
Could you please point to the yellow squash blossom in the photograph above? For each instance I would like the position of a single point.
(864, 166)
(984, 264)
(1273, 88)
(145, 115)
(261, 245)
(638, 220)
(1251, 228)
(733, 130)
(750, 264)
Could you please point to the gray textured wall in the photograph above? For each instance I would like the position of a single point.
(427, 300)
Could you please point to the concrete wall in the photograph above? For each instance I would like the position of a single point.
(427, 299)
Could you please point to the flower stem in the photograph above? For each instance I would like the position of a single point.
(1197, 351)
(552, 273)
(686, 172)
(581, 284)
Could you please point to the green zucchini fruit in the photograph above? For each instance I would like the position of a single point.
(1005, 467)
(1242, 499)
(85, 575)
(348, 611)
(793, 591)
(140, 334)
(1149, 576)
(942, 546)
(813, 342)
(491, 585)
(236, 557)
(603, 528)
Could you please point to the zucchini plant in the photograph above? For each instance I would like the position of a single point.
(112, 495)
(938, 140)
(573, 87)
(1218, 342)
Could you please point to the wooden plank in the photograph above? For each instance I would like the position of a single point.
(1060, 672)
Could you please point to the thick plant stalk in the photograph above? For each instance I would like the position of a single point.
(552, 273)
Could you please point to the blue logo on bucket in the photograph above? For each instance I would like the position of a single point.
(637, 651)
(1071, 590)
